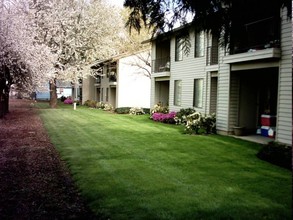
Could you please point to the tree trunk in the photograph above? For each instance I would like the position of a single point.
(6, 99)
(2, 96)
(2, 107)
(53, 94)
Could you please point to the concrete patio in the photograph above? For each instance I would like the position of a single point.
(256, 138)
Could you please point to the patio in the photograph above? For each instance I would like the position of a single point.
(255, 138)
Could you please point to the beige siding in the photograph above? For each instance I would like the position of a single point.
(223, 95)
(284, 125)
(153, 56)
(187, 70)
(152, 103)
(213, 94)
(234, 102)
(88, 89)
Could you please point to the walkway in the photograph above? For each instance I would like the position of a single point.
(256, 138)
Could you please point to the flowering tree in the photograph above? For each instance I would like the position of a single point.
(19, 63)
(78, 32)
(49, 40)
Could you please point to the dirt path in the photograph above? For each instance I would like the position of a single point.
(34, 182)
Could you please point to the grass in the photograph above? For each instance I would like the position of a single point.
(129, 167)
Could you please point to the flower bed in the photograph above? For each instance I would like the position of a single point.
(68, 101)
(164, 117)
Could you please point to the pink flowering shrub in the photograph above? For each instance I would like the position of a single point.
(164, 117)
(68, 101)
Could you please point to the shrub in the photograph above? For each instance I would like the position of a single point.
(146, 110)
(278, 154)
(136, 111)
(208, 123)
(182, 115)
(108, 107)
(62, 98)
(100, 105)
(197, 123)
(193, 122)
(68, 101)
(122, 110)
(90, 103)
(159, 108)
(165, 118)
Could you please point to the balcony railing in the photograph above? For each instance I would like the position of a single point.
(257, 35)
(212, 55)
(161, 65)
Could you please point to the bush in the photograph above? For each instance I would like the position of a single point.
(62, 98)
(122, 110)
(100, 105)
(197, 123)
(208, 123)
(90, 103)
(159, 108)
(146, 110)
(136, 111)
(182, 115)
(108, 107)
(193, 122)
(68, 101)
(165, 118)
(278, 154)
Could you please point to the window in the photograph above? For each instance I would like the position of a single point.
(102, 94)
(198, 93)
(199, 44)
(178, 49)
(177, 92)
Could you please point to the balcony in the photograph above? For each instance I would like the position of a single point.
(257, 35)
(253, 55)
(255, 41)
(161, 66)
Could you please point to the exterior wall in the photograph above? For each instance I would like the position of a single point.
(213, 95)
(234, 102)
(284, 114)
(223, 105)
(133, 87)
(76, 91)
(228, 83)
(43, 95)
(104, 87)
(152, 95)
(187, 70)
(88, 89)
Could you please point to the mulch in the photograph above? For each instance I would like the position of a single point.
(34, 182)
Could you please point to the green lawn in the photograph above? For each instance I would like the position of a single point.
(129, 167)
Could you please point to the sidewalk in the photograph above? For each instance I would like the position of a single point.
(34, 182)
